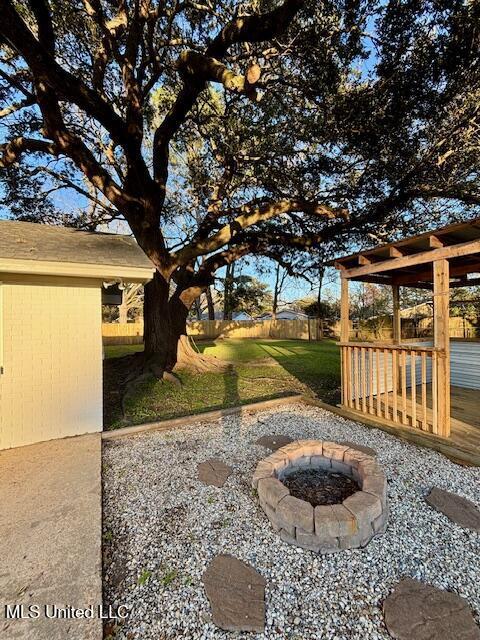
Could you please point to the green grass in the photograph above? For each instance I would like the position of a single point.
(119, 350)
(260, 370)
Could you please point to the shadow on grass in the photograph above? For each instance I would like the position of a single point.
(231, 398)
(315, 364)
(205, 344)
(231, 392)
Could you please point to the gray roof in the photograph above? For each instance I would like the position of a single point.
(31, 241)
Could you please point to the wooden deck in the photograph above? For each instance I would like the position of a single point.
(465, 412)
(464, 443)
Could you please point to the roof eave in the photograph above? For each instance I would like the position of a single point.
(77, 270)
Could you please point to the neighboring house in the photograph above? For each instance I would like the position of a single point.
(425, 309)
(241, 316)
(285, 314)
(218, 316)
(51, 281)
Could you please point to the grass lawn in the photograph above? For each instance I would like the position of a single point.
(261, 369)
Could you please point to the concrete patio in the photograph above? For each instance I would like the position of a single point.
(50, 536)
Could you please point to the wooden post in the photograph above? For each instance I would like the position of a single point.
(397, 336)
(441, 316)
(397, 320)
(344, 337)
(344, 312)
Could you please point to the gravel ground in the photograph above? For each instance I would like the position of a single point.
(162, 527)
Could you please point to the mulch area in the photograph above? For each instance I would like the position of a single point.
(319, 487)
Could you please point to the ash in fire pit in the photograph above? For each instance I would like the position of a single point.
(318, 487)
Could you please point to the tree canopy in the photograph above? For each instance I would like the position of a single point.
(220, 130)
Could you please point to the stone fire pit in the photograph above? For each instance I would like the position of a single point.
(325, 528)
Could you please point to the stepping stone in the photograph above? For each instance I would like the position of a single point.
(213, 472)
(458, 509)
(236, 593)
(359, 447)
(273, 442)
(418, 611)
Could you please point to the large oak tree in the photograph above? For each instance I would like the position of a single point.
(219, 130)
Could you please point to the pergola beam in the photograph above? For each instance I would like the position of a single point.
(424, 257)
(394, 252)
(435, 242)
(344, 312)
(426, 277)
(465, 282)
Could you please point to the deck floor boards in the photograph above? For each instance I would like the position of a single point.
(465, 414)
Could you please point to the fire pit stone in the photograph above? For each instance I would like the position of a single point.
(323, 528)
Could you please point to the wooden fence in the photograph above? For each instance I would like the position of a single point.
(383, 331)
(131, 333)
(117, 333)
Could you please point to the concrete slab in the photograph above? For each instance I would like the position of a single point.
(50, 536)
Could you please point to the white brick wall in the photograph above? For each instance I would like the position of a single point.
(52, 358)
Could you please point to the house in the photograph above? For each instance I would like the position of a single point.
(51, 281)
(285, 314)
(242, 316)
(423, 310)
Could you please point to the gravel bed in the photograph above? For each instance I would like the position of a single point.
(162, 527)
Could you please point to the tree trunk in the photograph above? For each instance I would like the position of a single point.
(187, 357)
(159, 337)
(210, 305)
(198, 309)
(275, 292)
(165, 332)
(321, 273)
(123, 313)
(228, 291)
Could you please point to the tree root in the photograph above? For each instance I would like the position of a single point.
(191, 359)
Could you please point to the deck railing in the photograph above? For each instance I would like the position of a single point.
(391, 382)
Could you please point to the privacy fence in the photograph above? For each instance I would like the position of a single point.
(131, 333)
(313, 329)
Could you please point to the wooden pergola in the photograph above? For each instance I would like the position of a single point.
(397, 382)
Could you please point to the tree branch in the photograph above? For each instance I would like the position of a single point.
(250, 216)
(17, 106)
(46, 36)
(197, 65)
(15, 83)
(11, 151)
(253, 28)
(67, 87)
(449, 192)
